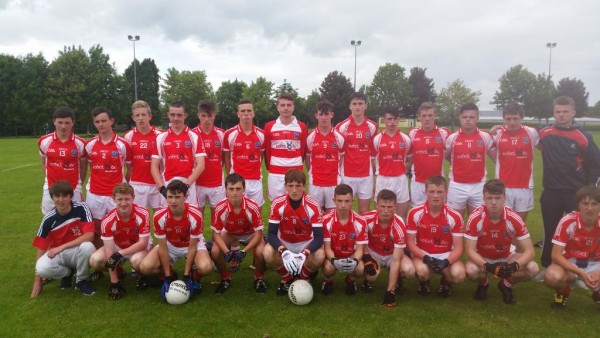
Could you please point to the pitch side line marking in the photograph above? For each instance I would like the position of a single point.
(15, 168)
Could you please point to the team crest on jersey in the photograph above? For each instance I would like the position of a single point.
(401, 145)
(479, 143)
(305, 220)
(257, 145)
(352, 235)
(334, 145)
(525, 139)
(114, 154)
(296, 135)
(187, 144)
(438, 139)
(445, 229)
(217, 143)
(74, 152)
(136, 231)
(368, 134)
(506, 235)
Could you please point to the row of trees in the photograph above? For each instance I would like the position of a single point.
(31, 87)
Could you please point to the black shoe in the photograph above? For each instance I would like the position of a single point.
(223, 286)
(283, 288)
(141, 283)
(445, 290)
(424, 288)
(507, 294)
(481, 292)
(389, 299)
(260, 286)
(66, 282)
(350, 288)
(367, 287)
(327, 288)
(85, 287)
(560, 301)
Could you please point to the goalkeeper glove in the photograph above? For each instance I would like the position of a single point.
(165, 288)
(507, 269)
(349, 264)
(228, 256)
(289, 262)
(430, 261)
(116, 291)
(441, 265)
(239, 255)
(493, 268)
(113, 260)
(371, 265)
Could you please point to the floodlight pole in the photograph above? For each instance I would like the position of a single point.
(134, 38)
(550, 45)
(355, 44)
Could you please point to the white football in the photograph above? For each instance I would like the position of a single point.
(178, 293)
(300, 292)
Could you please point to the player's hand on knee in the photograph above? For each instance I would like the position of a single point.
(430, 261)
(338, 263)
(371, 265)
(493, 268)
(239, 255)
(349, 264)
(228, 256)
(441, 265)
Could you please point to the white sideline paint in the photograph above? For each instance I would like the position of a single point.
(15, 168)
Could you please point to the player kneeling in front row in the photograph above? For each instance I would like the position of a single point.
(237, 218)
(125, 231)
(575, 250)
(435, 239)
(387, 240)
(179, 229)
(489, 233)
(295, 238)
(344, 239)
(64, 242)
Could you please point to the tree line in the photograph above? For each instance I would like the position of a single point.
(31, 88)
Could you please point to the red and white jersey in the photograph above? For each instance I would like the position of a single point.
(107, 162)
(177, 152)
(467, 154)
(324, 151)
(359, 146)
(178, 232)
(391, 151)
(494, 240)
(142, 146)
(427, 150)
(434, 234)
(57, 230)
(514, 159)
(212, 176)
(295, 225)
(246, 222)
(383, 239)
(61, 158)
(578, 243)
(125, 233)
(344, 237)
(285, 145)
(245, 151)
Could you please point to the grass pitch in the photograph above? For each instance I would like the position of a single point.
(241, 312)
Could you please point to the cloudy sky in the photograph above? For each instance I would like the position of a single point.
(302, 41)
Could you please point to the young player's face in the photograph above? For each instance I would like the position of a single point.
(564, 115)
(206, 120)
(324, 118)
(235, 192)
(63, 125)
(386, 210)
(427, 118)
(245, 113)
(62, 203)
(176, 201)
(436, 195)
(285, 107)
(343, 204)
(468, 120)
(177, 116)
(124, 203)
(589, 210)
(103, 123)
(391, 123)
(512, 121)
(358, 107)
(494, 203)
(141, 117)
(295, 190)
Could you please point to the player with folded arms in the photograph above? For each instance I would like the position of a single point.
(435, 239)
(125, 231)
(490, 231)
(387, 241)
(237, 218)
(344, 240)
(295, 238)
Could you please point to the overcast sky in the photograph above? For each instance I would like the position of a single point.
(302, 41)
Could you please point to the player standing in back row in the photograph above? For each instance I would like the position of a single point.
(285, 145)
(356, 166)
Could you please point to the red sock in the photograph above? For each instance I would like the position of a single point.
(507, 282)
(225, 275)
(283, 272)
(566, 291)
(349, 279)
(305, 273)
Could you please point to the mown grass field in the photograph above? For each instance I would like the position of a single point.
(241, 312)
